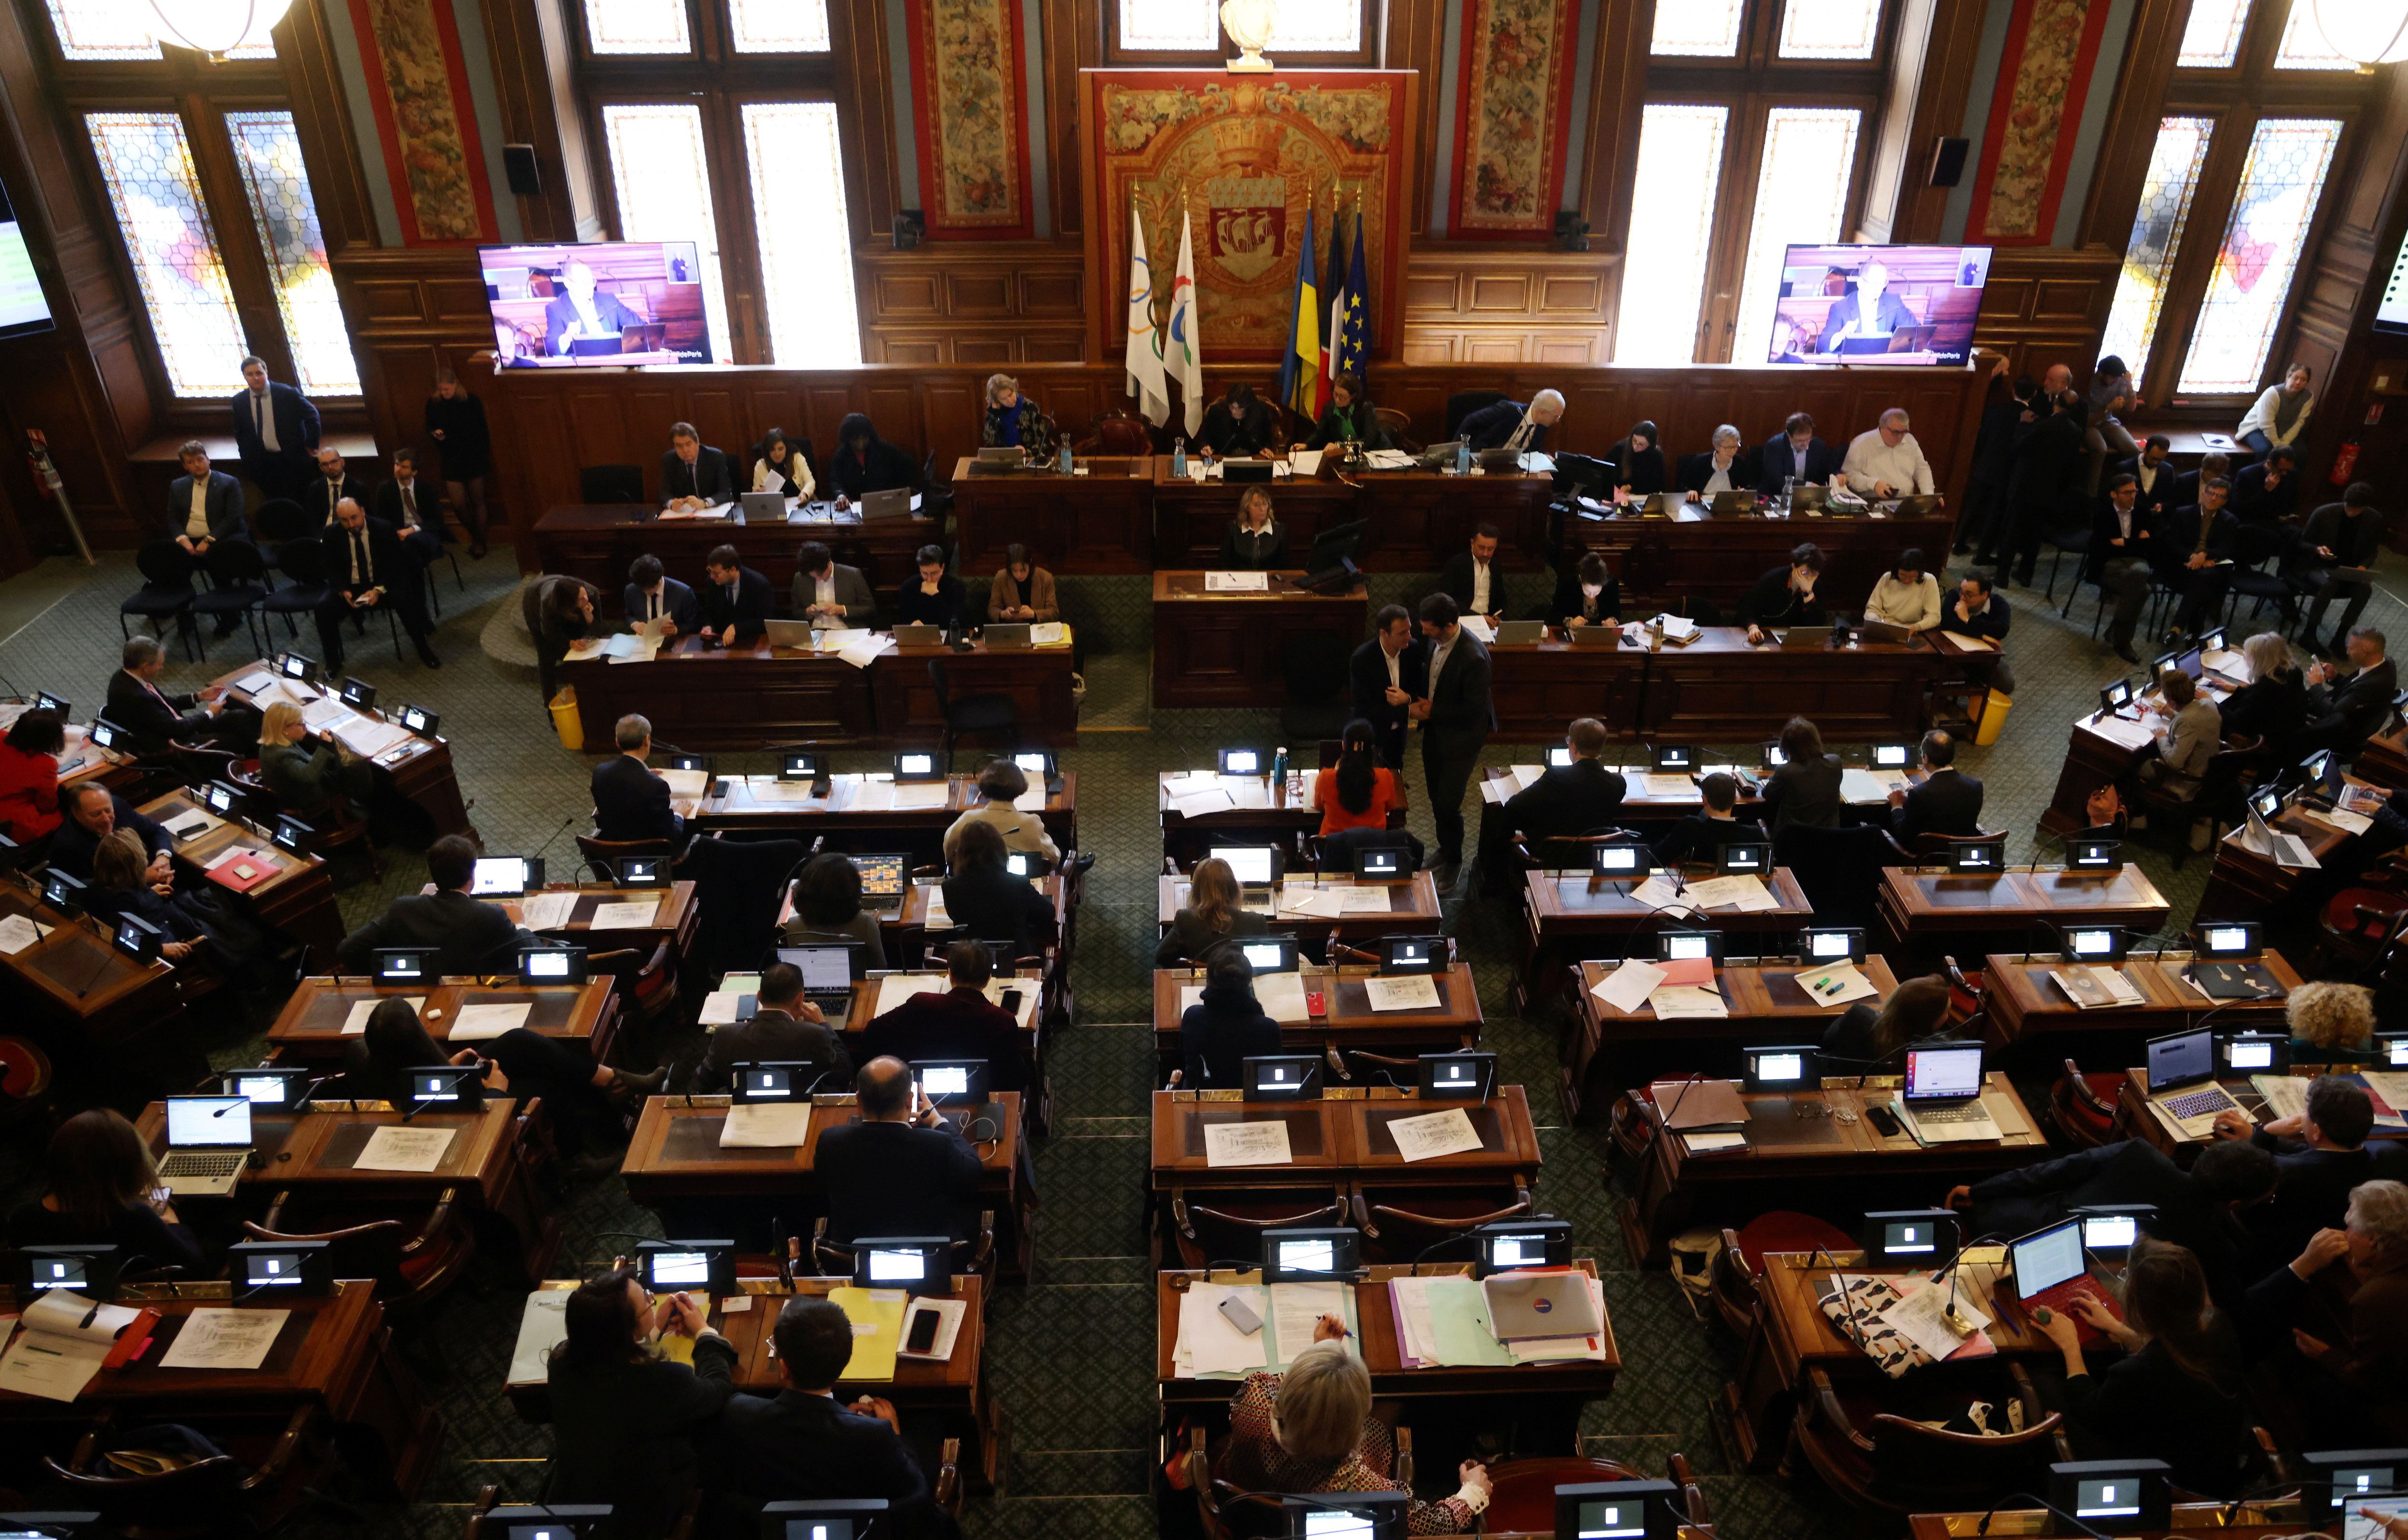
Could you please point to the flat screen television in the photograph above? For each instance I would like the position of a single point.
(22, 309)
(597, 304)
(2392, 314)
(1878, 303)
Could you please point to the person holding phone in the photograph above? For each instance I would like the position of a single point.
(902, 1170)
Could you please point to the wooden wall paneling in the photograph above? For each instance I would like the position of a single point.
(2343, 282)
(337, 164)
(2046, 305)
(2142, 83)
(996, 302)
(1069, 44)
(1518, 304)
(1417, 40)
(523, 87)
(1946, 81)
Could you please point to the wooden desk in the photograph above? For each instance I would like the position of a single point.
(1927, 901)
(1567, 918)
(310, 1029)
(1766, 1004)
(700, 696)
(761, 805)
(1336, 1140)
(1786, 1149)
(299, 900)
(2275, 1520)
(1538, 686)
(596, 541)
(96, 1010)
(1658, 562)
(1719, 689)
(1585, 1379)
(1265, 814)
(1038, 679)
(675, 917)
(1452, 1024)
(2102, 749)
(2245, 885)
(333, 1354)
(1101, 521)
(1224, 648)
(1191, 515)
(2383, 760)
(2025, 1002)
(2137, 1122)
(418, 769)
(1411, 909)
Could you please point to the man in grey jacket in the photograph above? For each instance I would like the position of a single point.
(216, 513)
(828, 589)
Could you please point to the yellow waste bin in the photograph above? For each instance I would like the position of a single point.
(571, 727)
(1996, 703)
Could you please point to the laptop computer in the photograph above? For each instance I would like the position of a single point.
(1882, 630)
(1730, 503)
(1806, 639)
(1005, 635)
(208, 1139)
(1001, 457)
(1664, 504)
(2181, 1067)
(789, 632)
(919, 635)
(1942, 1098)
(1254, 868)
(767, 507)
(1441, 455)
(1809, 496)
(886, 504)
(828, 972)
(1920, 506)
(884, 878)
(2051, 1271)
(1523, 632)
(1597, 635)
(1501, 461)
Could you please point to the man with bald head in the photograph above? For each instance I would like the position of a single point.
(902, 1170)
(365, 572)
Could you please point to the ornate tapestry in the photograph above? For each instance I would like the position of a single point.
(1245, 156)
(418, 86)
(2052, 48)
(970, 96)
(1512, 117)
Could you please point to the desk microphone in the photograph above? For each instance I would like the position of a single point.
(2026, 1497)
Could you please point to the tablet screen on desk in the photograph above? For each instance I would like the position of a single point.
(881, 875)
(2047, 1259)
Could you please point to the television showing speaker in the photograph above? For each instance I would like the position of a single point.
(600, 304)
(1905, 304)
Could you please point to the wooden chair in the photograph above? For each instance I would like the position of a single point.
(647, 989)
(1879, 1460)
(833, 1258)
(27, 1081)
(601, 856)
(2218, 800)
(411, 1271)
(1230, 1228)
(204, 1498)
(334, 824)
(2361, 918)
(1396, 425)
(1521, 1498)
(2087, 1109)
(1117, 432)
(1629, 1127)
(1740, 1262)
(1409, 1234)
(1223, 1511)
(1967, 997)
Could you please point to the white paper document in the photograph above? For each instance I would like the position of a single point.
(16, 932)
(1628, 987)
(546, 911)
(476, 1024)
(1862, 786)
(1478, 626)
(55, 1354)
(1837, 986)
(1657, 893)
(1747, 894)
(2347, 822)
(1970, 644)
(543, 1325)
(922, 794)
(192, 823)
(1673, 787)
(949, 1313)
(394, 1148)
(897, 988)
(357, 1021)
(1049, 633)
(1417, 992)
(1670, 1002)
(1282, 997)
(640, 914)
(1202, 801)
(1295, 1313)
(1208, 1343)
(224, 1339)
(861, 654)
(685, 783)
(1371, 898)
(1436, 1133)
(766, 1125)
(1296, 898)
(1305, 462)
(1917, 1316)
(2121, 731)
(1246, 1143)
(1236, 582)
(1032, 800)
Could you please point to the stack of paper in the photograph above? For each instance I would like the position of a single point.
(1857, 785)
(1747, 894)
(2122, 731)
(369, 737)
(1236, 582)
(1049, 633)
(862, 652)
(547, 911)
(685, 783)
(1032, 800)
(1970, 644)
(761, 789)
(897, 988)
(1478, 626)
(1282, 997)
(477, 1023)
(1670, 1002)
(1628, 987)
(2286, 1095)
(65, 1338)
(877, 1318)
(1208, 1344)
(1675, 787)
(2390, 1091)
(16, 932)
(327, 709)
(357, 1022)
(2231, 664)
(255, 684)
(921, 794)
(1443, 1321)
(1201, 802)
(224, 1339)
(1387, 460)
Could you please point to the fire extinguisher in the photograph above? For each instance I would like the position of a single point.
(2344, 463)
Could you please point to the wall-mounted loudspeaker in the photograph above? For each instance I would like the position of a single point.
(519, 169)
(1948, 161)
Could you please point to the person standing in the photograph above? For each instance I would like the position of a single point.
(2047, 467)
(1456, 718)
(455, 421)
(275, 433)
(1015, 422)
(1387, 674)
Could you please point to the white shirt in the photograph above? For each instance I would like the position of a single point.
(1870, 461)
(585, 313)
(196, 522)
(1395, 668)
(656, 602)
(1521, 432)
(356, 555)
(409, 502)
(1479, 587)
(263, 412)
(1719, 479)
(2146, 474)
(825, 589)
(2124, 519)
(1439, 656)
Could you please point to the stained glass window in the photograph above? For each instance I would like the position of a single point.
(268, 153)
(2173, 178)
(663, 177)
(2303, 45)
(1802, 199)
(117, 30)
(1829, 29)
(799, 218)
(779, 26)
(2277, 202)
(1707, 28)
(146, 166)
(1192, 26)
(638, 26)
(2212, 37)
(1664, 264)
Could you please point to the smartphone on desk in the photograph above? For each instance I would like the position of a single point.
(923, 1331)
(1010, 1001)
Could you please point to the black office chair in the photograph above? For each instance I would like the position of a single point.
(985, 712)
(610, 483)
(282, 519)
(1462, 404)
(2258, 548)
(305, 564)
(237, 582)
(167, 591)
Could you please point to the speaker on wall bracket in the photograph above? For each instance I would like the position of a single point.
(520, 170)
(1948, 161)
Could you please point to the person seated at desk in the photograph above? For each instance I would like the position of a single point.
(1639, 462)
(2345, 708)
(827, 590)
(827, 907)
(1013, 421)
(2273, 707)
(1310, 1430)
(1386, 675)
(630, 801)
(1865, 1041)
(93, 812)
(2347, 533)
(960, 1023)
(1510, 425)
(736, 601)
(29, 776)
(804, 1444)
(468, 935)
(588, 1101)
(1981, 614)
(785, 1026)
(2264, 493)
(986, 900)
(1254, 541)
(1586, 594)
(365, 569)
(1022, 592)
(2189, 735)
(1225, 1026)
(1702, 834)
(1237, 424)
(1723, 469)
(2179, 1393)
(2320, 1152)
(2353, 1389)
(331, 487)
(652, 594)
(865, 463)
(1358, 791)
(1213, 914)
(1472, 579)
(779, 466)
(2280, 414)
(1947, 802)
(694, 476)
(559, 613)
(1348, 418)
(1908, 595)
(127, 880)
(934, 597)
(1001, 785)
(2205, 534)
(100, 1186)
(157, 718)
(1806, 788)
(1570, 800)
(1797, 454)
(204, 506)
(307, 770)
(2123, 539)
(414, 508)
(1784, 596)
(1886, 462)
(904, 1169)
(627, 1419)
(579, 311)
(2331, 1023)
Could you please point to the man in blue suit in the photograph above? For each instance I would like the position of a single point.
(204, 506)
(579, 313)
(276, 431)
(1866, 313)
(1795, 450)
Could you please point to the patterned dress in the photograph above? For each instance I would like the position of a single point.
(1255, 1461)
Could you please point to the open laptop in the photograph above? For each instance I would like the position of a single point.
(1254, 868)
(1501, 460)
(2051, 1271)
(1806, 639)
(1439, 456)
(1942, 1097)
(885, 876)
(1730, 503)
(1883, 631)
(1000, 457)
(827, 973)
(208, 1138)
(886, 504)
(764, 507)
(1005, 635)
(1521, 632)
(916, 635)
(788, 632)
(2181, 1067)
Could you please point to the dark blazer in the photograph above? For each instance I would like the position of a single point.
(154, 719)
(2159, 497)
(747, 610)
(1187, 940)
(632, 802)
(886, 467)
(1569, 601)
(707, 477)
(2273, 708)
(1218, 1034)
(303, 774)
(2141, 544)
(1804, 791)
(72, 844)
(2353, 542)
(2146, 1407)
(388, 568)
(772, 1033)
(1640, 470)
(2047, 454)
(895, 1179)
(1698, 837)
(1462, 711)
(1949, 802)
(2253, 502)
(958, 1023)
(466, 932)
(1994, 441)
(996, 905)
(2130, 1171)
(1696, 469)
(466, 447)
(1567, 800)
(1490, 426)
(800, 1445)
(1455, 581)
(2372, 1357)
(943, 607)
(2311, 1192)
(1240, 434)
(626, 1434)
(1368, 681)
(1776, 460)
(1989, 622)
(607, 310)
(1772, 602)
(2354, 707)
(428, 496)
(2180, 533)
(1258, 550)
(319, 497)
(677, 601)
(296, 433)
(223, 502)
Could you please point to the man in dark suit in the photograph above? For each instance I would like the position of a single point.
(2123, 543)
(629, 801)
(157, 717)
(1795, 453)
(2346, 708)
(92, 813)
(804, 1444)
(1702, 834)
(693, 475)
(1473, 580)
(1510, 425)
(652, 595)
(1457, 717)
(735, 602)
(1572, 799)
(2347, 533)
(468, 935)
(962, 1023)
(216, 514)
(1237, 425)
(902, 1170)
(414, 507)
(2198, 542)
(2266, 493)
(785, 1026)
(2151, 473)
(1983, 519)
(365, 569)
(329, 487)
(275, 433)
(2320, 1153)
(579, 313)
(1388, 673)
(1948, 801)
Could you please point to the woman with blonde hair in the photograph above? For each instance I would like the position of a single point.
(1310, 1430)
(1211, 915)
(1254, 541)
(1014, 421)
(2273, 705)
(304, 769)
(2330, 1023)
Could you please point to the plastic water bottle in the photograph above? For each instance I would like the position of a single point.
(1279, 770)
(1788, 488)
(1179, 457)
(1065, 457)
(1462, 458)
(1204, 453)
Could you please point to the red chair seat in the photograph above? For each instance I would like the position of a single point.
(1785, 1231)
(27, 1070)
(2341, 912)
(1523, 1499)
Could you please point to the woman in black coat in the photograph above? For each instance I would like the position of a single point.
(456, 422)
(864, 463)
(625, 1420)
(2047, 459)
(1586, 594)
(987, 901)
(2273, 706)
(1225, 1026)
(1806, 788)
(1638, 460)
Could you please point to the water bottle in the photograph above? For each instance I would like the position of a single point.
(1204, 453)
(1179, 457)
(1788, 487)
(1065, 457)
(1279, 772)
(1462, 458)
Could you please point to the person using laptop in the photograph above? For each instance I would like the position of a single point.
(1225, 1026)
(1702, 834)
(1639, 462)
(986, 900)
(1255, 541)
(1795, 453)
(1567, 800)
(652, 596)
(779, 466)
(1001, 785)
(100, 1186)
(904, 1169)
(932, 596)
(1886, 462)
(694, 476)
(1907, 596)
(1358, 791)
(1941, 1095)
(827, 590)
(735, 602)
(1784, 596)
(1586, 594)
(1723, 469)
(1021, 591)
(2331, 1023)
(2321, 1154)
(467, 936)
(1214, 912)
(786, 1026)
(960, 1023)
(630, 801)
(1805, 788)
(2347, 533)
(1947, 802)
(864, 463)
(827, 907)
(1013, 421)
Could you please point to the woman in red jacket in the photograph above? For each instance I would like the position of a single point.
(29, 776)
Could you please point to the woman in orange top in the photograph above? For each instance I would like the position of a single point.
(1357, 791)
(29, 776)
